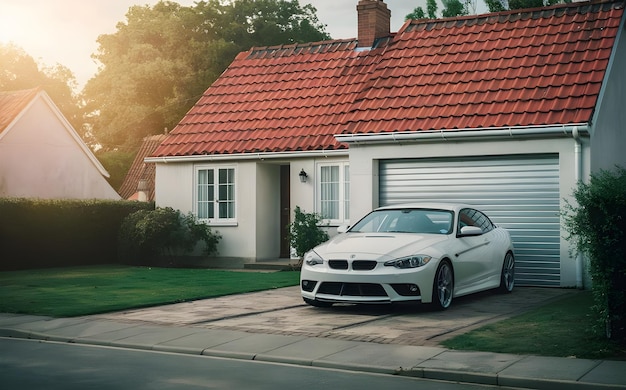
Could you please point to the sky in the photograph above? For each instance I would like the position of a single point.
(65, 31)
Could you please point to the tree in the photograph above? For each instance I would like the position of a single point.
(503, 5)
(496, 5)
(418, 13)
(453, 8)
(162, 58)
(18, 71)
(139, 87)
(431, 8)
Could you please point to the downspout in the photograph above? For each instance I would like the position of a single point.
(578, 168)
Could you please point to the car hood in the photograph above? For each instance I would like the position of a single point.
(378, 246)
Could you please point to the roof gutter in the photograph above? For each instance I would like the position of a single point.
(248, 156)
(466, 134)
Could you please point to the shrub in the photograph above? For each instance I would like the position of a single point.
(305, 233)
(147, 235)
(597, 226)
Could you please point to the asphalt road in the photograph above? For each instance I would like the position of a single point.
(27, 364)
(282, 311)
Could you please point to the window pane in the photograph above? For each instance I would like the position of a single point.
(226, 193)
(329, 192)
(204, 193)
(346, 192)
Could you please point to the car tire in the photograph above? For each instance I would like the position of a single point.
(507, 275)
(316, 303)
(443, 286)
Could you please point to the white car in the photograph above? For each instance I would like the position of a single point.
(411, 252)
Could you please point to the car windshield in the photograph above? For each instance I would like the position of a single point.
(423, 221)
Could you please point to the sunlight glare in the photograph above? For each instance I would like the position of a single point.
(11, 27)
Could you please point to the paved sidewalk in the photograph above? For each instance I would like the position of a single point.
(429, 362)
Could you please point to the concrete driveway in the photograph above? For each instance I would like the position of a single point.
(282, 311)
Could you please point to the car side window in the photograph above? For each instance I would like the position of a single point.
(472, 217)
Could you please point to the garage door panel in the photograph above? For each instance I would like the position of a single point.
(520, 193)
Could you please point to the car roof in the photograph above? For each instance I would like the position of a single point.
(427, 205)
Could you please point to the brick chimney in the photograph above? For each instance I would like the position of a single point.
(374, 21)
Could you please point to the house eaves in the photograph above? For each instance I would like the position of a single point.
(248, 156)
(566, 130)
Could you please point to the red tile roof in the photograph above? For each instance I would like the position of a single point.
(141, 170)
(12, 103)
(518, 68)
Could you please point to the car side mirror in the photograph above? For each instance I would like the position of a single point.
(471, 231)
(342, 228)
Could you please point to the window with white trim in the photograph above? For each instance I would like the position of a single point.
(215, 194)
(333, 202)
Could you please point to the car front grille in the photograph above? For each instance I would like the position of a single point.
(357, 265)
(363, 265)
(352, 289)
(338, 264)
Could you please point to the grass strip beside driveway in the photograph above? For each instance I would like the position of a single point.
(563, 328)
(76, 291)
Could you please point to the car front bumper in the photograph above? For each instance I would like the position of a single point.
(383, 284)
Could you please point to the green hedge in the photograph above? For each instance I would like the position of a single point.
(597, 227)
(37, 233)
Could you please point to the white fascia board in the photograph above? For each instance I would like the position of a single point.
(460, 134)
(248, 156)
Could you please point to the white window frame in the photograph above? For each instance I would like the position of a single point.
(198, 197)
(343, 195)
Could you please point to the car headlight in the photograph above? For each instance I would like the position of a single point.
(312, 258)
(409, 261)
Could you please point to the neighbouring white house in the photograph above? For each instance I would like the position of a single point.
(505, 111)
(42, 156)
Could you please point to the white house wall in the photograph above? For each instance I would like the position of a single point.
(40, 159)
(364, 171)
(256, 233)
(175, 187)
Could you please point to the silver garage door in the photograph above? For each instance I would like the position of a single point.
(519, 193)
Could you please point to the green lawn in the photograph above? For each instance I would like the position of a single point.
(561, 328)
(67, 292)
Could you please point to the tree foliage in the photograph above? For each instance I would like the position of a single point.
(451, 8)
(504, 5)
(162, 58)
(418, 13)
(19, 71)
(431, 8)
(597, 227)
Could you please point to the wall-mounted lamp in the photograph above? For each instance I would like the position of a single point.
(303, 176)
